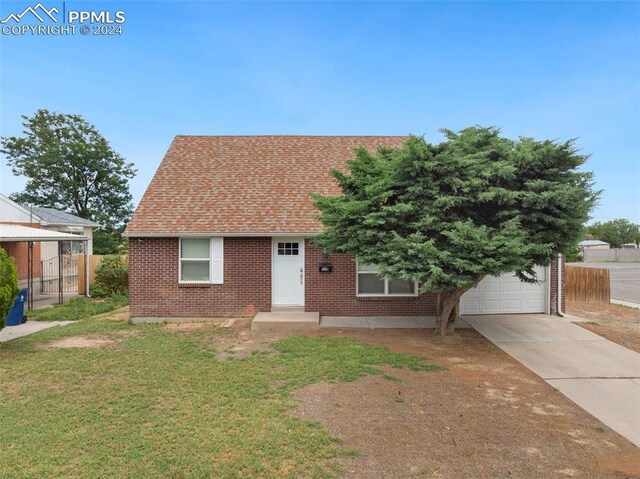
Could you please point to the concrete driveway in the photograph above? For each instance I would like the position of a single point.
(625, 279)
(598, 375)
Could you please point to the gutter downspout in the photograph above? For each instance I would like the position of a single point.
(559, 309)
(547, 272)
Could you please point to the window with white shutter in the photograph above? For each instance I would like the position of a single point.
(217, 263)
(201, 260)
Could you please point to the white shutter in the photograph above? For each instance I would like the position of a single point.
(217, 260)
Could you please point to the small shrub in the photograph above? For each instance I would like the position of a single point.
(123, 248)
(8, 285)
(112, 277)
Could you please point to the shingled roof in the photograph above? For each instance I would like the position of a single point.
(57, 217)
(244, 184)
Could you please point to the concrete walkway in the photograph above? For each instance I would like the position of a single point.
(382, 322)
(30, 327)
(43, 300)
(598, 375)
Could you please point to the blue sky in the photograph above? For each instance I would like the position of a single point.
(541, 69)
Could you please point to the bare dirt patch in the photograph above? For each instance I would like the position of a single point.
(244, 342)
(485, 416)
(121, 314)
(78, 342)
(192, 326)
(236, 341)
(90, 341)
(614, 322)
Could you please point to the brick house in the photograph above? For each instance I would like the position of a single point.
(226, 227)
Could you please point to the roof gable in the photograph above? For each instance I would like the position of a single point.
(12, 212)
(245, 184)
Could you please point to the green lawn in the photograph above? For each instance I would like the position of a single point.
(158, 403)
(78, 308)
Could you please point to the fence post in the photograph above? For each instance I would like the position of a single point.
(81, 275)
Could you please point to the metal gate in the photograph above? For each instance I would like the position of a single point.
(52, 270)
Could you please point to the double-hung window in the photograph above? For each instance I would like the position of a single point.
(371, 283)
(201, 260)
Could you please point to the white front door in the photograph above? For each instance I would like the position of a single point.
(288, 272)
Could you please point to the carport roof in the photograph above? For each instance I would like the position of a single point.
(14, 233)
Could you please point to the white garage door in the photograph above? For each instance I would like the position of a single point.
(506, 294)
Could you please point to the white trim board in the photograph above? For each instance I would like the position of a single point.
(204, 235)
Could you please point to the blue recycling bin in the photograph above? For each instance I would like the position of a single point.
(16, 315)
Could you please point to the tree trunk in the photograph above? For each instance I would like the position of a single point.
(455, 314)
(448, 311)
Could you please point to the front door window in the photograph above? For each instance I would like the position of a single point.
(288, 249)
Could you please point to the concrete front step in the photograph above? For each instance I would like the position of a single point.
(285, 321)
(287, 309)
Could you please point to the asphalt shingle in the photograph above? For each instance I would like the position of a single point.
(245, 184)
(57, 217)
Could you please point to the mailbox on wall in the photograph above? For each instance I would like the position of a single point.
(325, 267)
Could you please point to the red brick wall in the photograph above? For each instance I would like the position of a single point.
(554, 285)
(153, 280)
(334, 293)
(155, 291)
(19, 252)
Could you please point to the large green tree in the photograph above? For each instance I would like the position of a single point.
(71, 167)
(448, 214)
(615, 232)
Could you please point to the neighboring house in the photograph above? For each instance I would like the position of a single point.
(48, 221)
(593, 244)
(226, 226)
(595, 251)
(56, 220)
(11, 213)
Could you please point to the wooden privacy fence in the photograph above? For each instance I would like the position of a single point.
(588, 285)
(94, 261)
